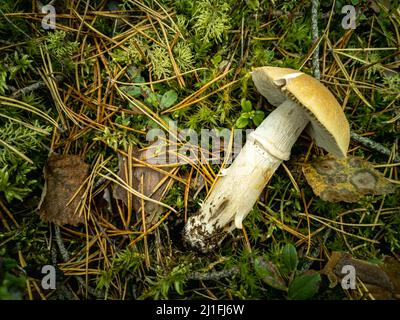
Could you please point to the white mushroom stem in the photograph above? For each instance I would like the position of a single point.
(238, 188)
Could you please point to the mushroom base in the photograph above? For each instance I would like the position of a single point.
(235, 192)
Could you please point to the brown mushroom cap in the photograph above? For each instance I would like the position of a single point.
(328, 124)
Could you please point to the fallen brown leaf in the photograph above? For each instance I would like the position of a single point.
(154, 182)
(381, 280)
(64, 175)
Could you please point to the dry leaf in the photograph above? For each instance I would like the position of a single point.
(381, 280)
(345, 180)
(154, 182)
(64, 175)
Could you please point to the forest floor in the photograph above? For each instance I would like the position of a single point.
(110, 72)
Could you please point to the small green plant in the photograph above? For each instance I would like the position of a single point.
(261, 56)
(184, 56)
(161, 285)
(204, 116)
(125, 262)
(21, 63)
(248, 115)
(298, 36)
(175, 197)
(12, 284)
(11, 188)
(158, 100)
(211, 19)
(19, 143)
(11, 67)
(286, 276)
(61, 48)
(160, 62)
(117, 138)
(392, 82)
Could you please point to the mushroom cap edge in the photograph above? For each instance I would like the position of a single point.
(329, 126)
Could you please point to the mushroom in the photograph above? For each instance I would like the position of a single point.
(301, 102)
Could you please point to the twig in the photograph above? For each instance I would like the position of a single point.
(213, 275)
(62, 291)
(32, 87)
(373, 145)
(280, 13)
(314, 31)
(8, 43)
(64, 253)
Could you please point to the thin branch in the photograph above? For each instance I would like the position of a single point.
(314, 31)
(35, 86)
(368, 143)
(213, 275)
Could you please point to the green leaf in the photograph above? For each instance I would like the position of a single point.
(246, 115)
(216, 60)
(152, 99)
(242, 122)
(304, 286)
(178, 287)
(258, 117)
(253, 4)
(269, 273)
(139, 79)
(246, 105)
(289, 256)
(168, 99)
(164, 289)
(134, 92)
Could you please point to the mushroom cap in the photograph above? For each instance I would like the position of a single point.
(328, 124)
